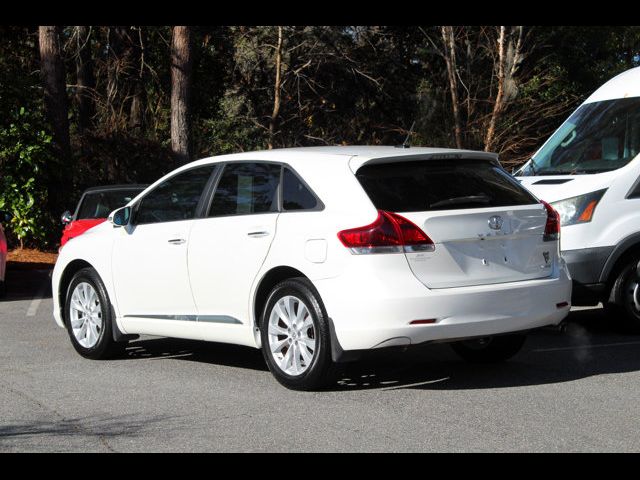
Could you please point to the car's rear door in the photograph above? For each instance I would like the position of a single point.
(228, 247)
(150, 273)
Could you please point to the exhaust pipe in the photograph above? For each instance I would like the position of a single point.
(561, 328)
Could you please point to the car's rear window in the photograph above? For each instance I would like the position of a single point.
(101, 204)
(421, 185)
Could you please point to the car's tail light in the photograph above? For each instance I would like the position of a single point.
(552, 227)
(390, 233)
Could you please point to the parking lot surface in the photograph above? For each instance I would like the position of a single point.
(566, 391)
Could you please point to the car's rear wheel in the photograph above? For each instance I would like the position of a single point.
(88, 316)
(624, 298)
(489, 349)
(295, 336)
(3, 289)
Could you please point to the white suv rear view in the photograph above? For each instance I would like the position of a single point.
(318, 254)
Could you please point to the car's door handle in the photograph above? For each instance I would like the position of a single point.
(176, 241)
(261, 233)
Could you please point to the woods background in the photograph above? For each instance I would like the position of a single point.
(90, 105)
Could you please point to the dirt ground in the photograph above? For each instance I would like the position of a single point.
(28, 259)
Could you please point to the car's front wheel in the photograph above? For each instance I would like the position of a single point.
(88, 316)
(489, 349)
(295, 336)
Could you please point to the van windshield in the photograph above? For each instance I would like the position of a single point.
(597, 137)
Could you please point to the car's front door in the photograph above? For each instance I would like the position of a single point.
(227, 248)
(150, 273)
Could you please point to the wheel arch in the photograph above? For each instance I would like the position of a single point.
(626, 249)
(269, 280)
(70, 270)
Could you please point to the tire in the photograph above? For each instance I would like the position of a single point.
(490, 349)
(3, 289)
(97, 343)
(624, 297)
(305, 369)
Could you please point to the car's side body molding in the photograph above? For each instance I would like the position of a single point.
(192, 318)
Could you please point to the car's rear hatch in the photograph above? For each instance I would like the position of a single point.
(485, 226)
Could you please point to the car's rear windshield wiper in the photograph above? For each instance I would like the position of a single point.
(460, 200)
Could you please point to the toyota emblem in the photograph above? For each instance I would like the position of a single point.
(495, 222)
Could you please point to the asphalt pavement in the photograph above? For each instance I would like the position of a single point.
(566, 391)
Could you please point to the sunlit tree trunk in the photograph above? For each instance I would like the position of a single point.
(181, 66)
(273, 121)
(450, 59)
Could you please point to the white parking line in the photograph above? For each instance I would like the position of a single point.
(580, 347)
(37, 300)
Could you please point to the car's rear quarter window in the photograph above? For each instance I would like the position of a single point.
(295, 195)
(422, 185)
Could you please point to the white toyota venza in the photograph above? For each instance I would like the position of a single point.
(317, 255)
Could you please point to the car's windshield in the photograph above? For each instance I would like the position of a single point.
(597, 137)
(101, 204)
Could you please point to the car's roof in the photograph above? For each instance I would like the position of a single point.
(356, 155)
(373, 151)
(102, 188)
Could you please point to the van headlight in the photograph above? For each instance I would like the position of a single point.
(578, 209)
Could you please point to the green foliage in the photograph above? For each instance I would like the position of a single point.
(228, 132)
(25, 148)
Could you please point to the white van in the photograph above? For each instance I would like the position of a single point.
(589, 170)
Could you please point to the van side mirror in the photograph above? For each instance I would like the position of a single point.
(121, 217)
(66, 217)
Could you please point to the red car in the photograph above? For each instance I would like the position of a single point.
(5, 217)
(94, 207)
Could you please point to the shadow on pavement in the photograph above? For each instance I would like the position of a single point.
(196, 351)
(592, 345)
(101, 427)
(25, 281)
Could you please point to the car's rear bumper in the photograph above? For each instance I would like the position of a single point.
(374, 312)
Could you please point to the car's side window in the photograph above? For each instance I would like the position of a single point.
(635, 190)
(174, 199)
(295, 194)
(246, 188)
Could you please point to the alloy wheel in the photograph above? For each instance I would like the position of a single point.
(86, 315)
(292, 335)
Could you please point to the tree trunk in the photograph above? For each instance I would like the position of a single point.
(138, 100)
(55, 92)
(277, 91)
(497, 106)
(114, 52)
(86, 80)
(57, 111)
(450, 59)
(181, 66)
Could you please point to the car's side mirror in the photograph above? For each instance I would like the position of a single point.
(66, 217)
(121, 217)
(5, 217)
